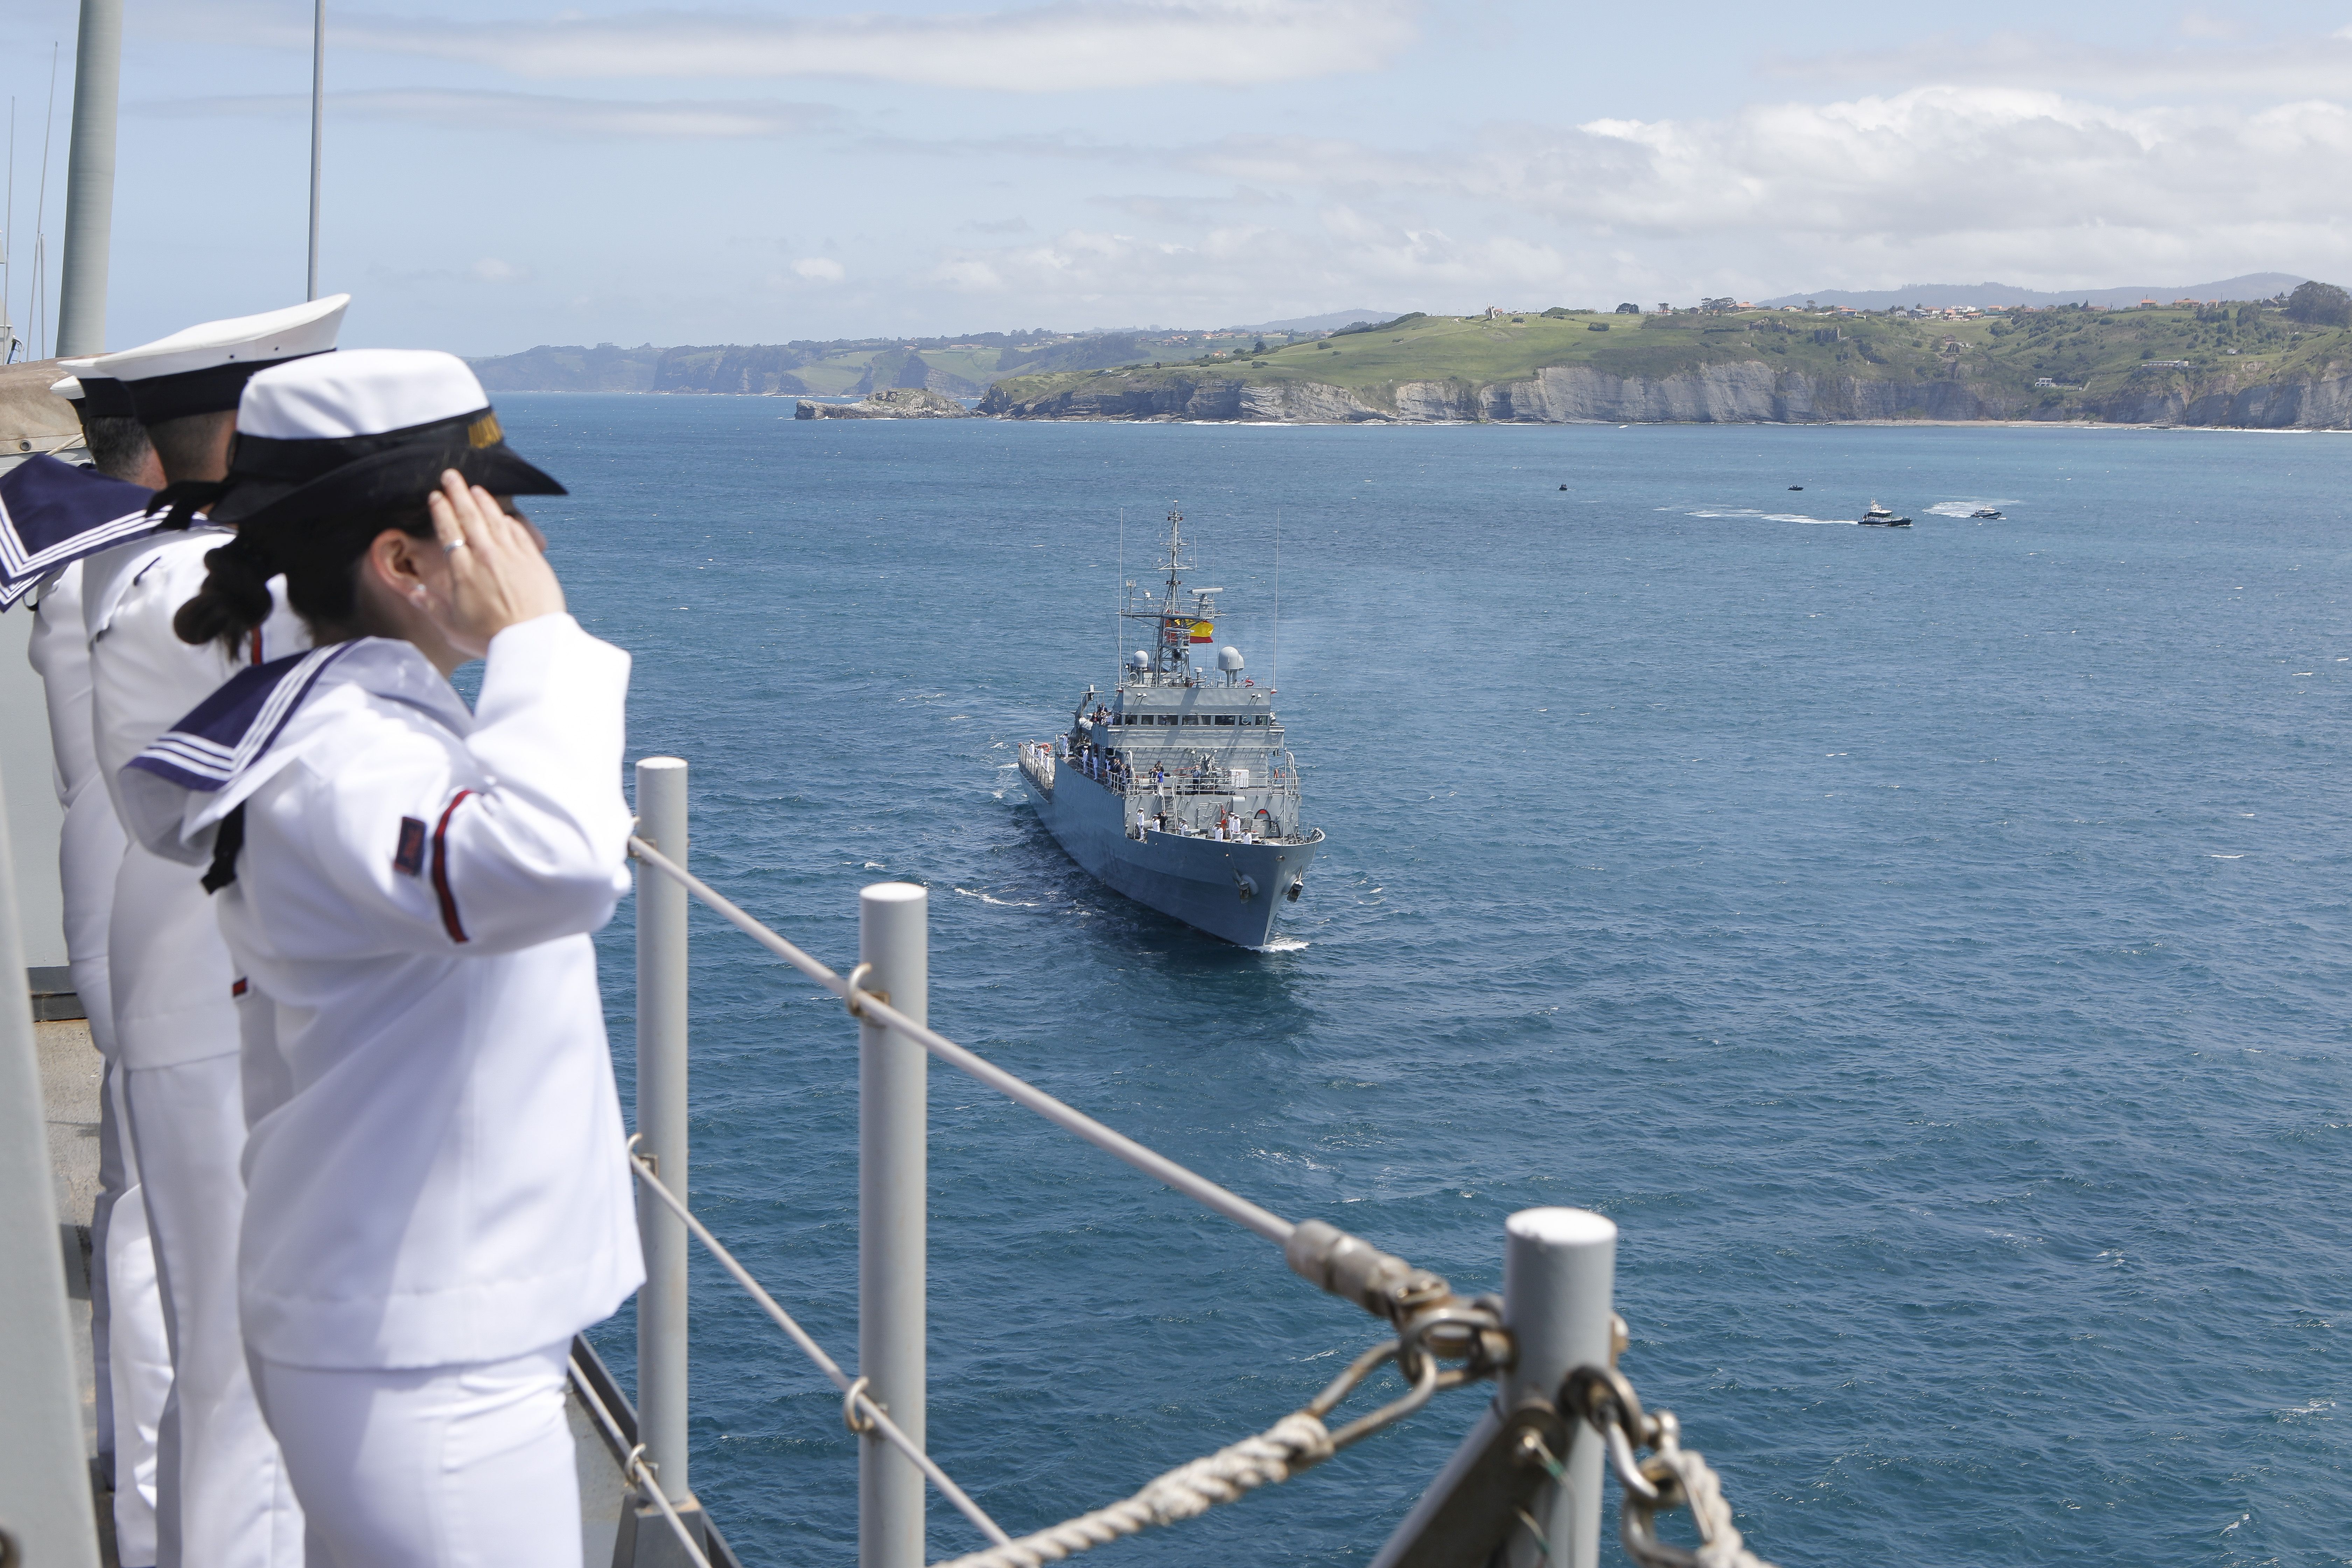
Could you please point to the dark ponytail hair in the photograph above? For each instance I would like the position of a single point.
(320, 560)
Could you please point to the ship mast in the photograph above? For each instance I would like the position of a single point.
(1170, 659)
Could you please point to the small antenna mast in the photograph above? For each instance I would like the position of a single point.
(8, 228)
(318, 129)
(40, 216)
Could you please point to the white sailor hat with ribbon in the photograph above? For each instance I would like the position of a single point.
(203, 369)
(364, 430)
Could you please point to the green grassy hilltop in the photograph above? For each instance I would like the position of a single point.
(2105, 362)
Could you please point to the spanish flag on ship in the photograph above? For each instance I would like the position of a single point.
(1204, 631)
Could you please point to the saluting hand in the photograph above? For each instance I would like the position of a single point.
(498, 575)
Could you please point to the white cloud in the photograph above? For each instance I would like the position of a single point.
(1936, 163)
(1946, 183)
(491, 269)
(1227, 273)
(818, 270)
(535, 113)
(1068, 45)
(2210, 66)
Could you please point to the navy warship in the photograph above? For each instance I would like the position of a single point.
(1174, 787)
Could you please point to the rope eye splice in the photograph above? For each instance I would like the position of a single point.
(1432, 1325)
(1299, 1441)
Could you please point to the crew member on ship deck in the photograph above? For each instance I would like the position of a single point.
(442, 1198)
(222, 1500)
(56, 515)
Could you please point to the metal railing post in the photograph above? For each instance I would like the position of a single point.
(661, 1124)
(1560, 1267)
(1560, 1272)
(893, 1163)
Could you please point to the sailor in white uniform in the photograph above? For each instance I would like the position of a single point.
(53, 515)
(223, 1498)
(443, 1200)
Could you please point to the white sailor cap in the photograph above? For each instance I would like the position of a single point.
(203, 368)
(362, 429)
(93, 396)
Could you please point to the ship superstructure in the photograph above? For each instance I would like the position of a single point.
(1176, 787)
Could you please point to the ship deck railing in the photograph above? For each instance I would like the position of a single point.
(1554, 1314)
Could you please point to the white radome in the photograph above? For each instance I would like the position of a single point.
(1229, 658)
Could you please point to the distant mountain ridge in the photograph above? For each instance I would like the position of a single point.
(2250, 286)
(841, 367)
(1331, 322)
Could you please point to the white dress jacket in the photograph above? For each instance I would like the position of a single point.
(168, 974)
(446, 1180)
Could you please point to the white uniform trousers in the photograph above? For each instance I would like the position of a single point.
(134, 1380)
(222, 1500)
(456, 1467)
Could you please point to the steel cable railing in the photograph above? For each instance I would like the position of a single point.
(1555, 1279)
(854, 1395)
(865, 1004)
(633, 1466)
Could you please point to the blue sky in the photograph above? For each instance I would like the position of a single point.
(506, 173)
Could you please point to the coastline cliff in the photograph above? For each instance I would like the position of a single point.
(2247, 366)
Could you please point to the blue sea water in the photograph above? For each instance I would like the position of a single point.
(1929, 946)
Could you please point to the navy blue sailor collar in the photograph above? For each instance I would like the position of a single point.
(230, 743)
(53, 514)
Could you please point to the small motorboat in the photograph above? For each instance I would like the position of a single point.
(1879, 517)
(1988, 514)
(1796, 486)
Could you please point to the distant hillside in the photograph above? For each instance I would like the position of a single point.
(2236, 365)
(1989, 296)
(848, 367)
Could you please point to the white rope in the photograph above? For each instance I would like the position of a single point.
(1288, 1446)
(1151, 1161)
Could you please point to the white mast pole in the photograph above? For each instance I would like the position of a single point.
(89, 179)
(317, 128)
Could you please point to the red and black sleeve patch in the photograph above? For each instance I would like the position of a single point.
(441, 868)
(409, 859)
(238, 988)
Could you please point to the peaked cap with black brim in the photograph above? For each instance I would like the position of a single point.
(94, 396)
(204, 369)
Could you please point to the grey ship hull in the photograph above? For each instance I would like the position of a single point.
(1197, 881)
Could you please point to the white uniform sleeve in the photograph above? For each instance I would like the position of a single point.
(59, 650)
(527, 844)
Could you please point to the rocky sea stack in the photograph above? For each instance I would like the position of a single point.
(896, 403)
